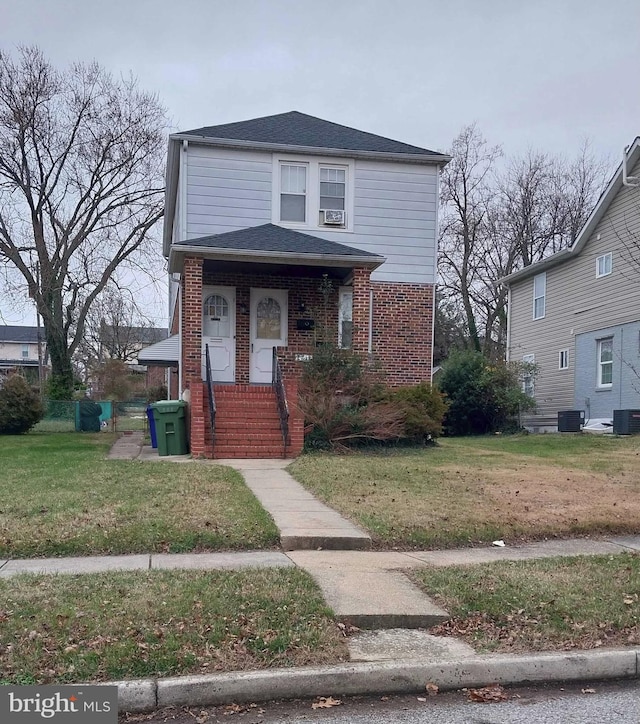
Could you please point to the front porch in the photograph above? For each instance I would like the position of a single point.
(235, 307)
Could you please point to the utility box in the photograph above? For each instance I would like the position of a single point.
(171, 429)
(626, 422)
(570, 420)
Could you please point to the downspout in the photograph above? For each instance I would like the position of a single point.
(370, 342)
(508, 323)
(633, 181)
(435, 271)
(180, 339)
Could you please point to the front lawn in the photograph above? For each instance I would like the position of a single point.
(550, 604)
(59, 496)
(110, 626)
(467, 491)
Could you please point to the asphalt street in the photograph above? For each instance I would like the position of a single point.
(588, 703)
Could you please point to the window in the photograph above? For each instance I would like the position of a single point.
(217, 321)
(345, 318)
(25, 351)
(333, 186)
(604, 264)
(528, 374)
(605, 362)
(269, 322)
(293, 192)
(539, 295)
(313, 192)
(563, 359)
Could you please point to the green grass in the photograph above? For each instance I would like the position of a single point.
(110, 626)
(559, 603)
(59, 496)
(466, 491)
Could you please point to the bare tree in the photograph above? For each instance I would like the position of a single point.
(81, 188)
(466, 196)
(496, 222)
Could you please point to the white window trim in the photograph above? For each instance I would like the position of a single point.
(312, 212)
(608, 255)
(600, 384)
(564, 352)
(529, 359)
(342, 292)
(542, 296)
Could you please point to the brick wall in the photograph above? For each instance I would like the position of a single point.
(402, 331)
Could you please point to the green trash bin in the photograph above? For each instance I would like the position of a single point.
(171, 429)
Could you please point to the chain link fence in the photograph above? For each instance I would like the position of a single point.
(68, 416)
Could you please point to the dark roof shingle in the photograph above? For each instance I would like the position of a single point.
(277, 239)
(299, 129)
(16, 333)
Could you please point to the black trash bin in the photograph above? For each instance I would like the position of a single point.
(90, 412)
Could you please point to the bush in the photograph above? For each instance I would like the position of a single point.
(482, 396)
(20, 407)
(424, 408)
(344, 405)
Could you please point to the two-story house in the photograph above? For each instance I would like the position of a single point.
(20, 351)
(576, 314)
(281, 233)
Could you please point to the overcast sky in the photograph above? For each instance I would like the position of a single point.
(542, 74)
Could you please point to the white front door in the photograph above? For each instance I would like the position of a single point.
(269, 329)
(219, 332)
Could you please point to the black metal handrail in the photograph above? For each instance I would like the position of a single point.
(212, 399)
(281, 396)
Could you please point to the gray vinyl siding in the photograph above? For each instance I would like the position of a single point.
(227, 190)
(394, 214)
(578, 303)
(624, 393)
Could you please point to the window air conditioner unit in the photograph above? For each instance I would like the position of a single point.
(334, 217)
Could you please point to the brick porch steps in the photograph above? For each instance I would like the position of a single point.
(247, 423)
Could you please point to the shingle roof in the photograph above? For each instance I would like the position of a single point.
(140, 335)
(277, 239)
(299, 129)
(16, 333)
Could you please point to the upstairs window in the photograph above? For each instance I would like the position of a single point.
(333, 185)
(293, 192)
(25, 351)
(604, 264)
(605, 362)
(539, 295)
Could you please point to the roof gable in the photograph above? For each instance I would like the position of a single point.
(299, 129)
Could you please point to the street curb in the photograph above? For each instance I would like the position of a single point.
(393, 677)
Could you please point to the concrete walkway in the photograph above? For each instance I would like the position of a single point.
(126, 447)
(304, 522)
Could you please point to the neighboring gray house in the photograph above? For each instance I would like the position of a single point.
(576, 314)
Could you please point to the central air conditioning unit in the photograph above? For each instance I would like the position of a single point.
(334, 217)
(570, 420)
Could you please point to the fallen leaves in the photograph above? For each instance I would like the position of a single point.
(326, 702)
(432, 689)
(488, 694)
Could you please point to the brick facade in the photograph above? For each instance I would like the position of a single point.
(403, 331)
(400, 338)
